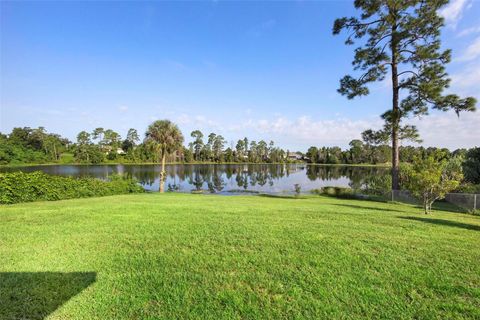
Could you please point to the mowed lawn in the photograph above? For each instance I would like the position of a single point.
(169, 256)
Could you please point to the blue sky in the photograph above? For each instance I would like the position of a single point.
(266, 70)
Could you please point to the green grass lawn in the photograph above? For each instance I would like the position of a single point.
(170, 256)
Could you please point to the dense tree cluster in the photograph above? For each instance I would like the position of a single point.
(27, 145)
(103, 144)
(363, 152)
(471, 166)
(213, 150)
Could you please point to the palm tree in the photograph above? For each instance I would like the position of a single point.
(166, 138)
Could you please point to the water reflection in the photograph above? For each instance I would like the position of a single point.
(224, 178)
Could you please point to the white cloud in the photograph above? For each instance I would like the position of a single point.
(438, 129)
(472, 52)
(305, 131)
(183, 119)
(467, 82)
(123, 108)
(468, 31)
(198, 121)
(202, 121)
(448, 130)
(454, 10)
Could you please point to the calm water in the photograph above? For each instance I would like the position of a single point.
(223, 178)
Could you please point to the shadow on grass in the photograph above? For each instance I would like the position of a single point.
(442, 205)
(34, 295)
(281, 196)
(443, 222)
(368, 208)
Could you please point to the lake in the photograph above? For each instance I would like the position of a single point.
(223, 178)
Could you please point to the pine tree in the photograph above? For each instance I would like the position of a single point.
(401, 38)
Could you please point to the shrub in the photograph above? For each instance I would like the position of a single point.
(281, 196)
(429, 179)
(298, 189)
(18, 187)
(378, 185)
(66, 158)
(471, 166)
(468, 188)
(339, 192)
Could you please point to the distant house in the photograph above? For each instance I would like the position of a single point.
(119, 151)
(294, 156)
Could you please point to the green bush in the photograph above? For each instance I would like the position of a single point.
(281, 196)
(66, 158)
(378, 185)
(430, 179)
(339, 192)
(16, 154)
(471, 166)
(18, 187)
(468, 188)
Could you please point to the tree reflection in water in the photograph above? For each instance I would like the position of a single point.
(224, 177)
(218, 178)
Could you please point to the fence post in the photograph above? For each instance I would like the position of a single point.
(474, 202)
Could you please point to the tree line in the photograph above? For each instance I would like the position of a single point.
(213, 149)
(27, 145)
(35, 145)
(360, 152)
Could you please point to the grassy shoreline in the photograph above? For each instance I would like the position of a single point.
(153, 256)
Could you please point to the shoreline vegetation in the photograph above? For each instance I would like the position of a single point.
(35, 146)
(164, 140)
(19, 187)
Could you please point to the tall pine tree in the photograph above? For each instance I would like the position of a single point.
(400, 37)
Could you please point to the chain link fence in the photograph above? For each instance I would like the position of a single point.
(467, 201)
(402, 196)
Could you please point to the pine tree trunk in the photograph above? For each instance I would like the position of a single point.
(162, 174)
(395, 114)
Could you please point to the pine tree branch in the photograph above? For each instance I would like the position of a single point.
(411, 41)
(408, 71)
(362, 24)
(381, 39)
(406, 50)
